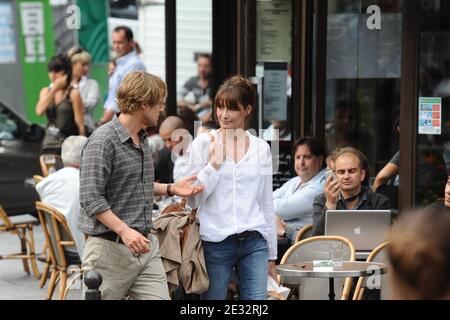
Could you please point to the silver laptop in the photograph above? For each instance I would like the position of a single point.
(366, 229)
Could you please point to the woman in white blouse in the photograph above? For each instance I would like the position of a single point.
(236, 212)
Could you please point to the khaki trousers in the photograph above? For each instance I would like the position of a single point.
(142, 276)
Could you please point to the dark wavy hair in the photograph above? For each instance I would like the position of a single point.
(60, 63)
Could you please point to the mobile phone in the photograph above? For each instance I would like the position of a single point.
(330, 173)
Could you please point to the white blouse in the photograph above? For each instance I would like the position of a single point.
(237, 197)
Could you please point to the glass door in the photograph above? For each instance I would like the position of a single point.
(274, 66)
(273, 77)
(433, 134)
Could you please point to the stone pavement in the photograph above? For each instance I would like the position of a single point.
(15, 284)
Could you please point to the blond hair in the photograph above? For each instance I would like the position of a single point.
(139, 88)
(79, 55)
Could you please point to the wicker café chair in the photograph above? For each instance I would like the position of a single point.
(59, 237)
(44, 257)
(22, 226)
(50, 163)
(316, 248)
(379, 254)
(304, 233)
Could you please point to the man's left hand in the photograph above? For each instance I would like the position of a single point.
(186, 188)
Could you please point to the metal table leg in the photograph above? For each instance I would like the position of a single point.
(331, 295)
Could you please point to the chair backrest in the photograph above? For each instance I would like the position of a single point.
(5, 219)
(49, 163)
(56, 231)
(304, 233)
(379, 254)
(318, 248)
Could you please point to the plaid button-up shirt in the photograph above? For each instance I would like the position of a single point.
(116, 175)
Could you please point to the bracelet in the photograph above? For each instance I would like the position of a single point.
(169, 192)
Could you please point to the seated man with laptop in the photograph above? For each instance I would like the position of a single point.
(345, 193)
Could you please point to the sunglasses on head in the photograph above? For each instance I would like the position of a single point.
(79, 50)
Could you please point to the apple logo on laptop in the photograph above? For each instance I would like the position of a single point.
(357, 231)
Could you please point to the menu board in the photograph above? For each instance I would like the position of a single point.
(273, 25)
(284, 164)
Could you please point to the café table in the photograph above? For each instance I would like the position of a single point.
(350, 269)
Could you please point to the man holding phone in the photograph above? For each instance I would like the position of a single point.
(345, 189)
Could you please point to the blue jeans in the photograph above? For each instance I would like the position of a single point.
(250, 258)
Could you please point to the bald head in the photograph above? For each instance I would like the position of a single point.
(168, 126)
(171, 124)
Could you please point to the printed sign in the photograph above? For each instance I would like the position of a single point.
(275, 91)
(7, 34)
(32, 15)
(430, 116)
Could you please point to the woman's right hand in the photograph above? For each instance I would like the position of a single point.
(60, 83)
(217, 149)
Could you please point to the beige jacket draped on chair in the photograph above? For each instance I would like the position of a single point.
(187, 264)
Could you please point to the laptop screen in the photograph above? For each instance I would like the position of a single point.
(366, 229)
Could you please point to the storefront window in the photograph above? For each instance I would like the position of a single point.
(364, 49)
(433, 140)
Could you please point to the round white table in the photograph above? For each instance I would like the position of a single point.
(349, 269)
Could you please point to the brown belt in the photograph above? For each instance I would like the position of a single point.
(114, 237)
(246, 234)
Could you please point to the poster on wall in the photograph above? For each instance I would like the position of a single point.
(7, 34)
(273, 25)
(32, 16)
(430, 116)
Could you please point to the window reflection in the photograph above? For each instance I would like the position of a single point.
(194, 62)
(363, 79)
